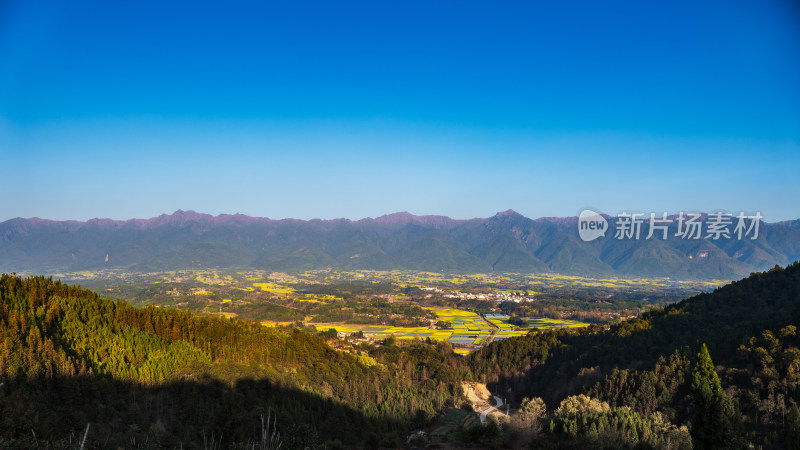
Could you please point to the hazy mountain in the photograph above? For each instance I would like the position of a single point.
(506, 242)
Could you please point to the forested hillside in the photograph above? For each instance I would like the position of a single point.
(68, 358)
(716, 370)
(646, 364)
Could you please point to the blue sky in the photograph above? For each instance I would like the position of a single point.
(357, 109)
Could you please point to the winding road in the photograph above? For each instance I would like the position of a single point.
(489, 410)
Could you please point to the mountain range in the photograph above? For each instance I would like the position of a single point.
(505, 242)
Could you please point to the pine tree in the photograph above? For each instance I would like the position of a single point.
(716, 422)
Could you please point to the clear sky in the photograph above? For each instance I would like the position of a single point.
(127, 109)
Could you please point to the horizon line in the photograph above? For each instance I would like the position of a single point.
(508, 212)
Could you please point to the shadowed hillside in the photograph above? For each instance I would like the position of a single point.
(750, 327)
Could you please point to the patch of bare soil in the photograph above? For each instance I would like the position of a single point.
(478, 395)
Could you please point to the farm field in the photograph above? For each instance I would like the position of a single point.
(466, 310)
(468, 328)
(543, 322)
(468, 332)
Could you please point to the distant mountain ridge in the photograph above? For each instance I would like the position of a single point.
(505, 242)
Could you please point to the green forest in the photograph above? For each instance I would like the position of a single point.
(718, 370)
